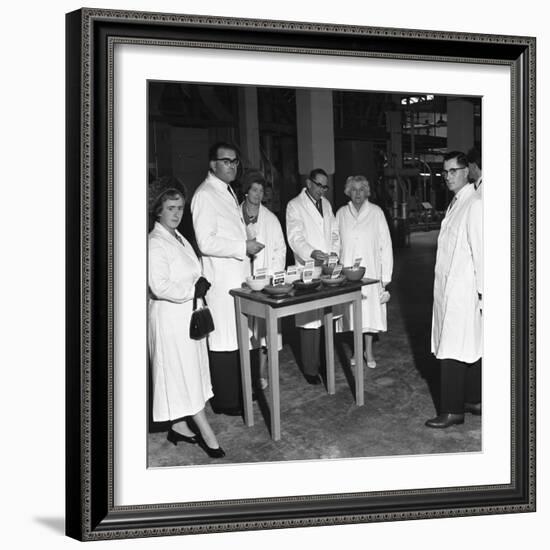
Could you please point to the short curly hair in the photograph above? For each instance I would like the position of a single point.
(357, 179)
(163, 189)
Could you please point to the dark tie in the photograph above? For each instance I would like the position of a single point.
(319, 206)
(180, 240)
(232, 194)
(452, 204)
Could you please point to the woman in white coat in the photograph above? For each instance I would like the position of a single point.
(263, 225)
(180, 375)
(364, 234)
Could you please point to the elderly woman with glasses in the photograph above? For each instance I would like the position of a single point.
(180, 375)
(365, 234)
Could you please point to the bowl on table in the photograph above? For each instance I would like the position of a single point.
(289, 279)
(257, 284)
(352, 274)
(311, 285)
(278, 290)
(337, 281)
(328, 269)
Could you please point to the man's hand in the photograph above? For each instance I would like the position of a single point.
(319, 256)
(253, 247)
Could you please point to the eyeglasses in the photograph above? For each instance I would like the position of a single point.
(323, 187)
(452, 171)
(227, 162)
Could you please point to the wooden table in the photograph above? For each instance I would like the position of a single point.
(272, 308)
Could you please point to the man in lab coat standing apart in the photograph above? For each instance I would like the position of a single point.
(312, 234)
(221, 237)
(458, 287)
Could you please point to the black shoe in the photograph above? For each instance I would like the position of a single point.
(212, 453)
(473, 408)
(444, 420)
(312, 379)
(174, 437)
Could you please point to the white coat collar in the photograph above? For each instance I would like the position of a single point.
(466, 191)
(304, 195)
(221, 186)
(364, 210)
(163, 232)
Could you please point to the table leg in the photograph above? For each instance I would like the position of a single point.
(273, 362)
(329, 350)
(358, 348)
(246, 377)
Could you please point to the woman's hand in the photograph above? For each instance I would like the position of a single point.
(201, 287)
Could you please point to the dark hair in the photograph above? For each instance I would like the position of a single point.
(213, 151)
(160, 189)
(250, 177)
(170, 194)
(474, 157)
(317, 172)
(459, 156)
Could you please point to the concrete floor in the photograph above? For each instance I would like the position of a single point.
(400, 394)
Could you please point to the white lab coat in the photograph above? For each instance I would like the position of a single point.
(365, 234)
(308, 231)
(180, 373)
(268, 231)
(456, 319)
(221, 237)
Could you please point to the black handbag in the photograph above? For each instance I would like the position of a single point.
(202, 323)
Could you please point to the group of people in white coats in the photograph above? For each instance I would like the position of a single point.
(359, 230)
(234, 241)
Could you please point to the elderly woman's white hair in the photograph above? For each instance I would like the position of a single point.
(357, 179)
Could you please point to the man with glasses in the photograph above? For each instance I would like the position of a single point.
(221, 237)
(312, 234)
(458, 286)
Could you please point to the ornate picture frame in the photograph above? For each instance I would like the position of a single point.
(91, 512)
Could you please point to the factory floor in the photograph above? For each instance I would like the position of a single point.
(400, 394)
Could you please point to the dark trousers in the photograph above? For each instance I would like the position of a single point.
(460, 383)
(310, 350)
(225, 374)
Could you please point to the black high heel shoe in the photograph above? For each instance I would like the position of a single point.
(212, 453)
(174, 437)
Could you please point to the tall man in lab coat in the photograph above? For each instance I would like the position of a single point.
(312, 234)
(458, 286)
(221, 237)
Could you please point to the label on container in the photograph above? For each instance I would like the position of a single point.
(336, 272)
(309, 264)
(307, 275)
(278, 278)
(261, 273)
(291, 270)
(332, 260)
(357, 263)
